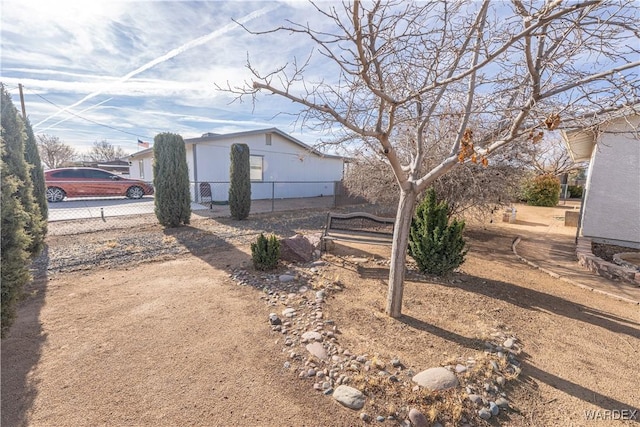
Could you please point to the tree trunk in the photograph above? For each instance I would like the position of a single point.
(406, 207)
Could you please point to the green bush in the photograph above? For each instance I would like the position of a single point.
(171, 180)
(15, 143)
(543, 190)
(32, 157)
(435, 244)
(575, 191)
(240, 182)
(265, 252)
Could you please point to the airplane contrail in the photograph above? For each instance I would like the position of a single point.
(171, 54)
(75, 114)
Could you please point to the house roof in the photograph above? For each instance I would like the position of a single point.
(210, 137)
(580, 143)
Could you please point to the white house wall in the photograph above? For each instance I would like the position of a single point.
(296, 171)
(612, 200)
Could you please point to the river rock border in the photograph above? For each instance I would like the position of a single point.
(312, 352)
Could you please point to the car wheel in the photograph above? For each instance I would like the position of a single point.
(135, 193)
(55, 194)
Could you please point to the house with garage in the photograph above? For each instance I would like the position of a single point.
(610, 211)
(281, 166)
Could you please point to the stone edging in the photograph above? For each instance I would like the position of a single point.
(553, 274)
(588, 260)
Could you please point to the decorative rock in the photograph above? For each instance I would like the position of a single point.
(316, 349)
(396, 363)
(311, 372)
(380, 419)
(365, 417)
(321, 294)
(296, 249)
(501, 381)
(502, 402)
(328, 391)
(318, 263)
(312, 336)
(285, 278)
(288, 312)
(461, 368)
(484, 413)
(350, 397)
(274, 319)
(417, 418)
(476, 399)
(287, 365)
(508, 343)
(436, 379)
(495, 410)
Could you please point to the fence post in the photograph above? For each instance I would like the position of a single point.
(273, 195)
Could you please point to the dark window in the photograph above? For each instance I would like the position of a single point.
(95, 174)
(67, 173)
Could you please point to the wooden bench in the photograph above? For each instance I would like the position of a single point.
(357, 227)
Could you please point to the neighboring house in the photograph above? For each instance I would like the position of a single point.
(281, 166)
(611, 202)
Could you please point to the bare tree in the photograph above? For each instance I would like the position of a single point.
(104, 151)
(502, 72)
(53, 152)
(551, 156)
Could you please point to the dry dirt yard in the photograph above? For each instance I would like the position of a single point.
(149, 327)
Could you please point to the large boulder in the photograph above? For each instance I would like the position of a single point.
(350, 397)
(436, 379)
(296, 249)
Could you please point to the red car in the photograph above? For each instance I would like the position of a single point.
(91, 182)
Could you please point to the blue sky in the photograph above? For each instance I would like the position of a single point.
(132, 69)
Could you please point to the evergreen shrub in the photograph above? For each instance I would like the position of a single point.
(171, 180)
(435, 244)
(240, 182)
(265, 252)
(543, 190)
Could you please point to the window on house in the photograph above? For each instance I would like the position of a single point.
(268, 138)
(141, 168)
(256, 167)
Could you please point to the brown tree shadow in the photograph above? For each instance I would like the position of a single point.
(22, 349)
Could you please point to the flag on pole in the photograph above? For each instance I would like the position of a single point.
(143, 144)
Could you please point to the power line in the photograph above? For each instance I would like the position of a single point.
(89, 120)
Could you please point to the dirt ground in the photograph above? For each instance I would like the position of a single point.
(173, 340)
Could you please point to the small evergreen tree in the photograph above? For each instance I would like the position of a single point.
(171, 180)
(543, 190)
(14, 264)
(265, 252)
(32, 156)
(240, 185)
(14, 137)
(435, 244)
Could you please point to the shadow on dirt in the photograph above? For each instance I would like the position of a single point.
(530, 373)
(539, 301)
(470, 343)
(22, 348)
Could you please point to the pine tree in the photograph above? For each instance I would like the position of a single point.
(32, 157)
(436, 246)
(171, 180)
(240, 186)
(14, 137)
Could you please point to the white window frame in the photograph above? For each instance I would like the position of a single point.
(253, 167)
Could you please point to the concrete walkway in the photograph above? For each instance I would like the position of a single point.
(546, 243)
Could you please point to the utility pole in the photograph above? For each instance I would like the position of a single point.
(24, 111)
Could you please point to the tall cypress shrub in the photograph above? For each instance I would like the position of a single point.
(435, 244)
(14, 264)
(240, 185)
(14, 137)
(32, 156)
(171, 180)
